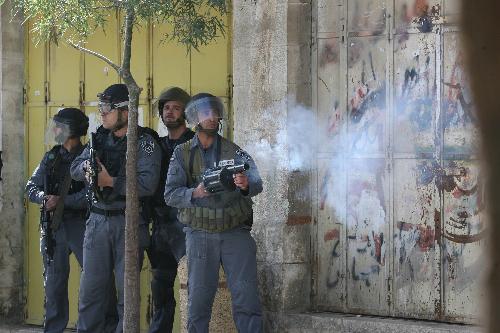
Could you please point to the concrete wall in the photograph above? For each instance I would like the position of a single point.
(271, 69)
(12, 158)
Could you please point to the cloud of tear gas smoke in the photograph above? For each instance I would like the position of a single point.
(294, 135)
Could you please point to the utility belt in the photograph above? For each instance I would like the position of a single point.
(107, 212)
(110, 212)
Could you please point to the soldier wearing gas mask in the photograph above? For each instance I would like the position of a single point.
(217, 224)
(168, 240)
(63, 211)
(104, 243)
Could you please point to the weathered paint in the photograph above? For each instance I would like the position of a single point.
(400, 206)
(59, 76)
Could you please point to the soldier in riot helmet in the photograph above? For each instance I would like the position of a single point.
(64, 207)
(168, 240)
(217, 224)
(104, 243)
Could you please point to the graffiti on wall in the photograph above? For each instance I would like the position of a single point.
(419, 196)
(460, 122)
(417, 226)
(367, 95)
(368, 17)
(415, 96)
(367, 226)
(423, 15)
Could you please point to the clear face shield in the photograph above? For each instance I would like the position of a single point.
(57, 133)
(206, 111)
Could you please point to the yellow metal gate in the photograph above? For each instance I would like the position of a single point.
(60, 76)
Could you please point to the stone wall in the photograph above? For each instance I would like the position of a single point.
(12, 159)
(271, 69)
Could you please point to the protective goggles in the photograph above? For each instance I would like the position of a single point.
(105, 107)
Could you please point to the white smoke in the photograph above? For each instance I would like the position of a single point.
(295, 134)
(298, 140)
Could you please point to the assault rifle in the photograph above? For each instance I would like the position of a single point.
(46, 223)
(93, 172)
(219, 179)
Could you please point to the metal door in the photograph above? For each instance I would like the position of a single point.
(60, 76)
(400, 211)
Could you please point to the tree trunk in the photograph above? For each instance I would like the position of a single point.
(131, 313)
(482, 41)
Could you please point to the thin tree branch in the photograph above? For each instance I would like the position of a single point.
(104, 7)
(98, 55)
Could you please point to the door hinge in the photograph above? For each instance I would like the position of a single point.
(25, 94)
(81, 89)
(150, 89)
(47, 92)
(230, 86)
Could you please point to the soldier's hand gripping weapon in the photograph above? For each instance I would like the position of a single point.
(219, 179)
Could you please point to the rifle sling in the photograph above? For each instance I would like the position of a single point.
(58, 212)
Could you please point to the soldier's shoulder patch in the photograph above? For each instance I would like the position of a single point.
(243, 155)
(148, 146)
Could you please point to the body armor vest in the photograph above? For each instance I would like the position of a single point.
(167, 149)
(57, 169)
(113, 156)
(235, 213)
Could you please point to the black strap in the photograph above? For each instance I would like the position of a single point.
(191, 164)
(218, 150)
(55, 163)
(59, 211)
(107, 212)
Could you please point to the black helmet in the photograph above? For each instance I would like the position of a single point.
(172, 94)
(77, 121)
(116, 95)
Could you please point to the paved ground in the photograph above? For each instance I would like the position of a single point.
(334, 323)
(23, 329)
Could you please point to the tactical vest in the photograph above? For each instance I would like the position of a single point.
(167, 148)
(113, 157)
(236, 213)
(57, 168)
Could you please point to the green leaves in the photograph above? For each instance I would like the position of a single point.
(192, 22)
